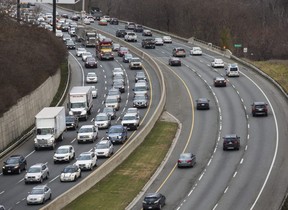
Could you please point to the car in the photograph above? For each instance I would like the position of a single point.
(70, 173)
(102, 120)
(130, 37)
(119, 77)
(65, 27)
(36, 173)
(91, 62)
(138, 28)
(102, 22)
(130, 25)
(112, 101)
(147, 32)
(122, 51)
(131, 121)
(91, 19)
(140, 101)
(91, 77)
(217, 63)
(104, 148)
(86, 21)
(120, 33)
(110, 111)
(173, 61)
(64, 15)
(148, 43)
(179, 52)
(59, 33)
(232, 70)
(140, 75)
(114, 21)
(167, 39)
(80, 51)
(259, 108)
(14, 164)
(132, 110)
(119, 85)
(72, 31)
(135, 63)
(117, 134)
(153, 201)
(127, 57)
(86, 161)
(220, 82)
(72, 122)
(140, 89)
(159, 41)
(186, 160)
(66, 37)
(64, 153)
(39, 195)
(117, 71)
(115, 47)
(231, 141)
(107, 18)
(115, 92)
(87, 133)
(85, 55)
(70, 45)
(94, 92)
(196, 51)
(202, 104)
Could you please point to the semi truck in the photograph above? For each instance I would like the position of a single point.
(104, 48)
(80, 101)
(50, 124)
(85, 35)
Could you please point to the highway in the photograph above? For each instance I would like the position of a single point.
(252, 178)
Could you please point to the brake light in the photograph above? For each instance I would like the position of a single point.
(179, 161)
(189, 161)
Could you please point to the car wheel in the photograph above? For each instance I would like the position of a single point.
(50, 196)
(19, 171)
(41, 179)
(47, 175)
(160, 206)
(80, 175)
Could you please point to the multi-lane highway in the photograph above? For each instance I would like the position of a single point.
(252, 178)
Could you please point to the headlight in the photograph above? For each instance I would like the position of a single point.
(157, 201)
(16, 166)
(3, 167)
(70, 113)
(108, 137)
(144, 201)
(84, 112)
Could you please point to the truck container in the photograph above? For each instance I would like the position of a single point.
(50, 124)
(85, 35)
(80, 101)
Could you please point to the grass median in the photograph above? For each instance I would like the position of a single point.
(121, 186)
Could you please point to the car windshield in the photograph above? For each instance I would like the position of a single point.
(135, 60)
(128, 56)
(84, 157)
(101, 118)
(113, 92)
(34, 170)
(78, 105)
(62, 151)
(85, 130)
(91, 75)
(70, 119)
(115, 130)
(139, 98)
(12, 160)
(129, 117)
(45, 131)
(140, 88)
(150, 199)
(69, 170)
(37, 191)
(233, 69)
(101, 146)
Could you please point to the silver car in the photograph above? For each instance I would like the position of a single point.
(37, 173)
(115, 92)
(104, 148)
(112, 101)
(39, 195)
(110, 111)
(91, 77)
(186, 160)
(103, 120)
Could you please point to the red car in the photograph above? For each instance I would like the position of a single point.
(122, 51)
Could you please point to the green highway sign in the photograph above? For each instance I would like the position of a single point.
(237, 45)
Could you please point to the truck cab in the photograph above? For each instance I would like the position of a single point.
(104, 49)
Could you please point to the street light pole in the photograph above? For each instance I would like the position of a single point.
(54, 16)
(18, 10)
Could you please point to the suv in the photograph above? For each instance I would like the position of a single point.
(102, 120)
(231, 141)
(131, 121)
(117, 134)
(179, 52)
(148, 43)
(259, 108)
(130, 25)
(112, 101)
(138, 28)
(37, 173)
(64, 153)
(232, 70)
(153, 201)
(135, 63)
(86, 161)
(104, 148)
(130, 37)
(39, 195)
(87, 133)
(14, 164)
(71, 122)
(140, 101)
(120, 33)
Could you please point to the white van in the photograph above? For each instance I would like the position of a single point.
(232, 70)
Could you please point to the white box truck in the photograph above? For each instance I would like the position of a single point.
(80, 101)
(50, 125)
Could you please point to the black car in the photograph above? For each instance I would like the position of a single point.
(231, 141)
(91, 62)
(120, 33)
(127, 57)
(219, 82)
(14, 164)
(110, 111)
(114, 21)
(65, 27)
(119, 85)
(138, 28)
(174, 61)
(154, 201)
(72, 122)
(70, 44)
(202, 103)
(259, 108)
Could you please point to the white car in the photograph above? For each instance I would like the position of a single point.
(135, 63)
(104, 148)
(102, 120)
(117, 70)
(64, 153)
(70, 173)
(132, 110)
(85, 55)
(167, 39)
(131, 121)
(217, 63)
(87, 133)
(37, 173)
(86, 21)
(91, 77)
(130, 37)
(86, 161)
(80, 51)
(196, 51)
(159, 41)
(39, 195)
(59, 33)
(94, 92)
(112, 101)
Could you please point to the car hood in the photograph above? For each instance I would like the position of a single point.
(67, 175)
(33, 174)
(102, 150)
(85, 134)
(61, 155)
(83, 162)
(77, 109)
(101, 122)
(35, 196)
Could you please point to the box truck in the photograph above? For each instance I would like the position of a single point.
(50, 124)
(80, 101)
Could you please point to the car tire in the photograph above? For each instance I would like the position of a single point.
(160, 206)
(47, 176)
(19, 171)
(50, 197)
(41, 179)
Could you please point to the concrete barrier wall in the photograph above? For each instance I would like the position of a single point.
(22, 115)
(120, 156)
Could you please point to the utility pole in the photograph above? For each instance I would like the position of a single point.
(18, 10)
(54, 16)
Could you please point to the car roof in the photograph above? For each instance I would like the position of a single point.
(130, 114)
(105, 141)
(65, 146)
(37, 165)
(259, 103)
(101, 114)
(109, 96)
(148, 195)
(87, 126)
(42, 186)
(230, 136)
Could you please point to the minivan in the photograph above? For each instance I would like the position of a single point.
(232, 70)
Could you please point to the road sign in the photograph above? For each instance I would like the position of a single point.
(237, 45)
(245, 49)
(49, 1)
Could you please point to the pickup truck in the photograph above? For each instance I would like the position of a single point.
(148, 43)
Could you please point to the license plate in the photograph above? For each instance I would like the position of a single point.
(9, 171)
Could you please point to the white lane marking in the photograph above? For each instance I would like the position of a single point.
(30, 154)
(73, 140)
(52, 180)
(2, 192)
(226, 190)
(241, 160)
(235, 174)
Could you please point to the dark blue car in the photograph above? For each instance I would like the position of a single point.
(117, 134)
